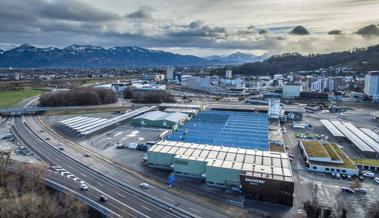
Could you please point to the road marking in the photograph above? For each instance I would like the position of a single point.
(168, 198)
(117, 134)
(146, 207)
(194, 209)
(100, 184)
(64, 173)
(130, 215)
(120, 195)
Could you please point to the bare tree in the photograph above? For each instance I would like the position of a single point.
(373, 211)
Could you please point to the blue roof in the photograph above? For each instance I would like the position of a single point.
(226, 128)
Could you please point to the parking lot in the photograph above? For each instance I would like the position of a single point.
(321, 187)
(124, 134)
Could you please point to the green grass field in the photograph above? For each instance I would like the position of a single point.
(12, 98)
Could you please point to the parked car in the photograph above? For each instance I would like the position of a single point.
(144, 185)
(376, 179)
(360, 190)
(87, 155)
(349, 178)
(347, 190)
(338, 176)
(103, 198)
(61, 148)
(369, 174)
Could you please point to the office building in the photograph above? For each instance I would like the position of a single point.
(372, 85)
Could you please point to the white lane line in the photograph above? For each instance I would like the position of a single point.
(117, 134)
(120, 195)
(131, 215)
(125, 205)
(145, 207)
(64, 173)
(100, 184)
(168, 198)
(194, 210)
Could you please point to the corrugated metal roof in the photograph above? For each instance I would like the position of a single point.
(159, 115)
(264, 164)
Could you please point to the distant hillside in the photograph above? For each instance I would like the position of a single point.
(78, 56)
(235, 58)
(296, 62)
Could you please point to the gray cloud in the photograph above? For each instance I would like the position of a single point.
(370, 30)
(299, 30)
(263, 31)
(335, 32)
(73, 10)
(64, 22)
(143, 13)
(198, 29)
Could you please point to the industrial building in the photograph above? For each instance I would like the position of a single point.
(292, 90)
(326, 158)
(161, 119)
(199, 84)
(364, 140)
(226, 128)
(198, 107)
(84, 126)
(260, 175)
(372, 85)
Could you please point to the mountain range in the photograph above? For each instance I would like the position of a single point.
(236, 58)
(89, 56)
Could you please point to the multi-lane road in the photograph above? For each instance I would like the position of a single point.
(122, 202)
(126, 199)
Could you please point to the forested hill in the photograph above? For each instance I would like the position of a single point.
(296, 62)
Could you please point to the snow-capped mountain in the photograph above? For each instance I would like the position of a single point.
(236, 58)
(76, 56)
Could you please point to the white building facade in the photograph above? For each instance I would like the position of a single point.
(372, 85)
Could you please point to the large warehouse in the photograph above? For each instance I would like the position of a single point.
(261, 175)
(161, 119)
(226, 128)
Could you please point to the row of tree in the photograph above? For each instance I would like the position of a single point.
(78, 97)
(149, 97)
(23, 195)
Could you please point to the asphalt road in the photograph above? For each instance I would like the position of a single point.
(124, 202)
(115, 171)
(125, 196)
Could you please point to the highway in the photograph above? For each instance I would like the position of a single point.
(124, 202)
(65, 184)
(125, 197)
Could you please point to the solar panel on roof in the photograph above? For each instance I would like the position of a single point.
(332, 129)
(226, 128)
(362, 146)
(371, 133)
(369, 141)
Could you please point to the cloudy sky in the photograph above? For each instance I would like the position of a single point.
(200, 27)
